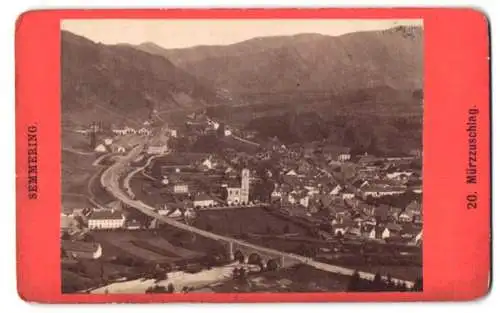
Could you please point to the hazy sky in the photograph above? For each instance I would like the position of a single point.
(185, 33)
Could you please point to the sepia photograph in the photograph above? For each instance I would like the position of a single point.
(241, 155)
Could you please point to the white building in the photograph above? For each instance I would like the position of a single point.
(144, 131)
(106, 219)
(173, 133)
(378, 192)
(181, 188)
(203, 200)
(157, 149)
(335, 190)
(347, 195)
(101, 148)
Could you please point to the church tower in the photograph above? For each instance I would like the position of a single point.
(245, 185)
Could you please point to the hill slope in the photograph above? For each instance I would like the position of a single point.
(114, 83)
(307, 62)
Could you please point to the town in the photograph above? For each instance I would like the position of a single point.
(251, 206)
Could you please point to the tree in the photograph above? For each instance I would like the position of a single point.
(170, 288)
(286, 229)
(272, 265)
(418, 284)
(65, 236)
(236, 273)
(242, 273)
(390, 282)
(377, 283)
(354, 282)
(88, 238)
(160, 275)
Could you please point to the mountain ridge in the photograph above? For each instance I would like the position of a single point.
(122, 79)
(391, 57)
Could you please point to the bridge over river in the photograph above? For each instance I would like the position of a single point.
(110, 181)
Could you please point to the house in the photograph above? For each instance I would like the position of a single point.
(157, 149)
(304, 201)
(180, 187)
(340, 229)
(81, 249)
(118, 149)
(129, 130)
(394, 229)
(276, 195)
(175, 213)
(379, 232)
(291, 173)
(414, 207)
(119, 131)
(299, 197)
(369, 221)
(108, 141)
(132, 225)
(416, 189)
(399, 175)
(394, 212)
(106, 219)
(227, 132)
(405, 217)
(312, 190)
(338, 212)
(378, 191)
(203, 200)
(213, 124)
(409, 232)
(172, 133)
(208, 163)
(347, 195)
(339, 154)
(101, 148)
(335, 190)
(367, 159)
(144, 131)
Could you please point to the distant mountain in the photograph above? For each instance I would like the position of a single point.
(307, 62)
(119, 82)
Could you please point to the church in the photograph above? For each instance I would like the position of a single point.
(239, 194)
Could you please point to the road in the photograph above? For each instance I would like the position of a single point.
(110, 181)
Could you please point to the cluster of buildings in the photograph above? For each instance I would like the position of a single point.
(104, 218)
(358, 195)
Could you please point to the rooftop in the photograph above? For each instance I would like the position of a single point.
(106, 215)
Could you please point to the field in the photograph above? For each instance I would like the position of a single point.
(144, 245)
(77, 172)
(245, 221)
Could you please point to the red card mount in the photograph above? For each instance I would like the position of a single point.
(455, 175)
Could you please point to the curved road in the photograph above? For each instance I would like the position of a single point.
(110, 181)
